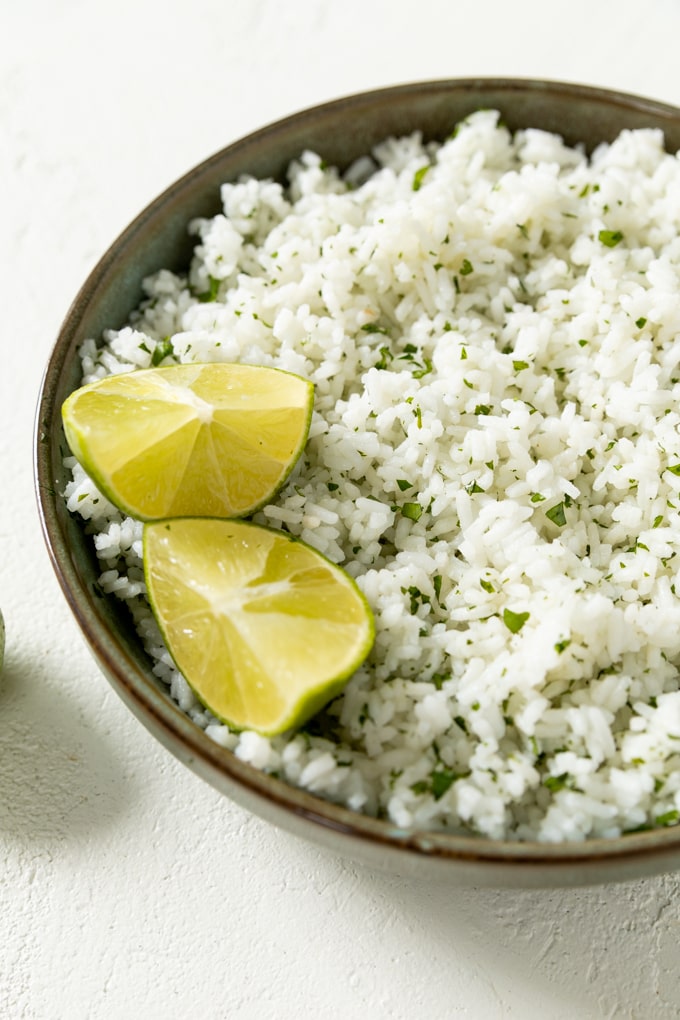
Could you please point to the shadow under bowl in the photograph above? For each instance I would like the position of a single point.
(340, 132)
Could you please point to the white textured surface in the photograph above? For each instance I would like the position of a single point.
(128, 888)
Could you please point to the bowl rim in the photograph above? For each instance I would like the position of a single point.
(157, 710)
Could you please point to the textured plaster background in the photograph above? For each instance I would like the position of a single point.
(129, 888)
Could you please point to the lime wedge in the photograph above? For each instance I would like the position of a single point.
(264, 629)
(216, 440)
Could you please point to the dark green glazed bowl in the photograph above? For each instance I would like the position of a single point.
(340, 132)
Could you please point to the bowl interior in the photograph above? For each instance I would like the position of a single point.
(340, 132)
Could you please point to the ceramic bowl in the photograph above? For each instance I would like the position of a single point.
(340, 131)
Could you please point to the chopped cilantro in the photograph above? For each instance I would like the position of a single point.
(641, 322)
(555, 783)
(537, 497)
(419, 176)
(417, 598)
(610, 238)
(442, 780)
(413, 511)
(404, 484)
(514, 621)
(213, 289)
(486, 585)
(385, 357)
(483, 409)
(163, 349)
(466, 268)
(519, 366)
(424, 370)
(561, 645)
(668, 818)
(556, 515)
(658, 520)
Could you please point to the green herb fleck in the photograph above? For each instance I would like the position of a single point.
(163, 349)
(425, 369)
(514, 621)
(404, 484)
(213, 289)
(556, 515)
(466, 268)
(668, 818)
(419, 176)
(641, 322)
(555, 783)
(442, 780)
(561, 645)
(610, 238)
(487, 585)
(413, 511)
(537, 497)
(519, 366)
(386, 357)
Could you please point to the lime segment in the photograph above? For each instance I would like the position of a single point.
(207, 440)
(264, 629)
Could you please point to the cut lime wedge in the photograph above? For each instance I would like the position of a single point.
(264, 629)
(216, 440)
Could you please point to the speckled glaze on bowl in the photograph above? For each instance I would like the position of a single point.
(340, 131)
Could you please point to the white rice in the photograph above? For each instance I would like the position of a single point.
(494, 455)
